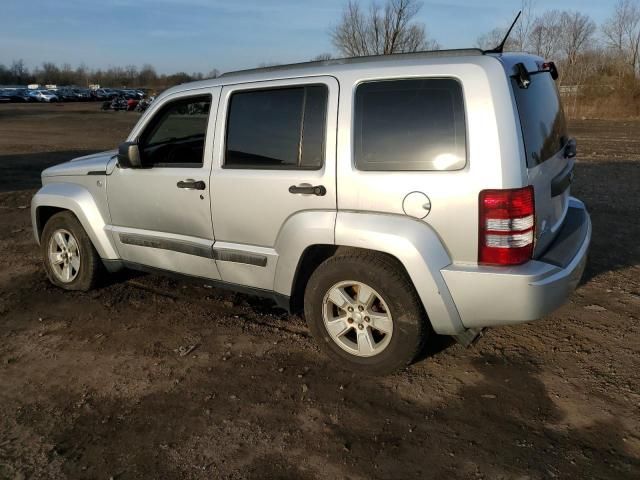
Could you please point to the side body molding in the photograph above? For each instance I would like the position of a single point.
(417, 247)
(77, 199)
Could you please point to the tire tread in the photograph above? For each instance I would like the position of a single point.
(392, 269)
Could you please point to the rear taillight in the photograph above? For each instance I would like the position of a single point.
(506, 226)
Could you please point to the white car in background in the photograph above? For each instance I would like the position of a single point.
(43, 96)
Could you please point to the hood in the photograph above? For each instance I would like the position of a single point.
(95, 163)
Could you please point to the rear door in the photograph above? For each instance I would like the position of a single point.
(549, 153)
(274, 157)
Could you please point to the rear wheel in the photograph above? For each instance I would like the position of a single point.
(365, 313)
(70, 260)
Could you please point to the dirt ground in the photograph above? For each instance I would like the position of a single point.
(98, 385)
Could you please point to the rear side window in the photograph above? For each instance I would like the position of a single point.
(541, 117)
(279, 128)
(404, 125)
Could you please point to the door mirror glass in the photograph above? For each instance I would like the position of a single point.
(129, 155)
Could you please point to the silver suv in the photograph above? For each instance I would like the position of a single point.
(386, 197)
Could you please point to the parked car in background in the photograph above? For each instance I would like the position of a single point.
(14, 95)
(103, 94)
(82, 94)
(135, 94)
(44, 96)
(143, 104)
(117, 103)
(22, 95)
(65, 95)
(132, 103)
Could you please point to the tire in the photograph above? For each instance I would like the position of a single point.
(396, 309)
(83, 262)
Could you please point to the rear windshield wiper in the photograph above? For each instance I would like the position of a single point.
(523, 76)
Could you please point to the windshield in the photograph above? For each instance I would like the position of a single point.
(542, 119)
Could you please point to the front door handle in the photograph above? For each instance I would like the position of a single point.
(318, 190)
(190, 184)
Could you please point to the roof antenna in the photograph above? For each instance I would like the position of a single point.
(500, 47)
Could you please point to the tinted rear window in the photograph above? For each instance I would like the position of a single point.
(405, 125)
(541, 116)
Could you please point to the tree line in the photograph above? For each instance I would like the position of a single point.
(17, 73)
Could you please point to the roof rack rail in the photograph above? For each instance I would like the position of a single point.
(460, 52)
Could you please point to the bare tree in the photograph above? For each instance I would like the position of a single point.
(147, 75)
(577, 34)
(48, 73)
(518, 40)
(492, 39)
(380, 30)
(19, 71)
(81, 75)
(546, 31)
(67, 75)
(522, 29)
(213, 73)
(322, 57)
(622, 32)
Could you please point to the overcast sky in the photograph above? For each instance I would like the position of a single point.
(199, 35)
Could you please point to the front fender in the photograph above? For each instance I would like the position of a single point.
(417, 247)
(77, 199)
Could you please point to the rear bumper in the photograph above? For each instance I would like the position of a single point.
(492, 296)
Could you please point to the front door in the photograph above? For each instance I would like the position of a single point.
(161, 213)
(274, 158)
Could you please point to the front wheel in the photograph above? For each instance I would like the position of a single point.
(70, 260)
(365, 313)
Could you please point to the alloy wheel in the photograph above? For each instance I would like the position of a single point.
(357, 318)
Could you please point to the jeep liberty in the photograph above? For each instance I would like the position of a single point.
(385, 197)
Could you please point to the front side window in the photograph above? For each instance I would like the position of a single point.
(176, 135)
(281, 128)
(410, 125)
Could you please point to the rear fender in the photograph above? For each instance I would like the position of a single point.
(78, 200)
(420, 251)
(300, 231)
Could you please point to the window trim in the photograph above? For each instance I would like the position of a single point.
(327, 90)
(399, 79)
(152, 122)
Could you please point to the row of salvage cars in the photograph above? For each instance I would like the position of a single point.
(64, 94)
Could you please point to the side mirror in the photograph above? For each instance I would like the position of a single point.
(129, 155)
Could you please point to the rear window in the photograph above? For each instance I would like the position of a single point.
(544, 129)
(410, 125)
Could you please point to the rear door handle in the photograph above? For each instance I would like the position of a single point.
(190, 184)
(318, 190)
